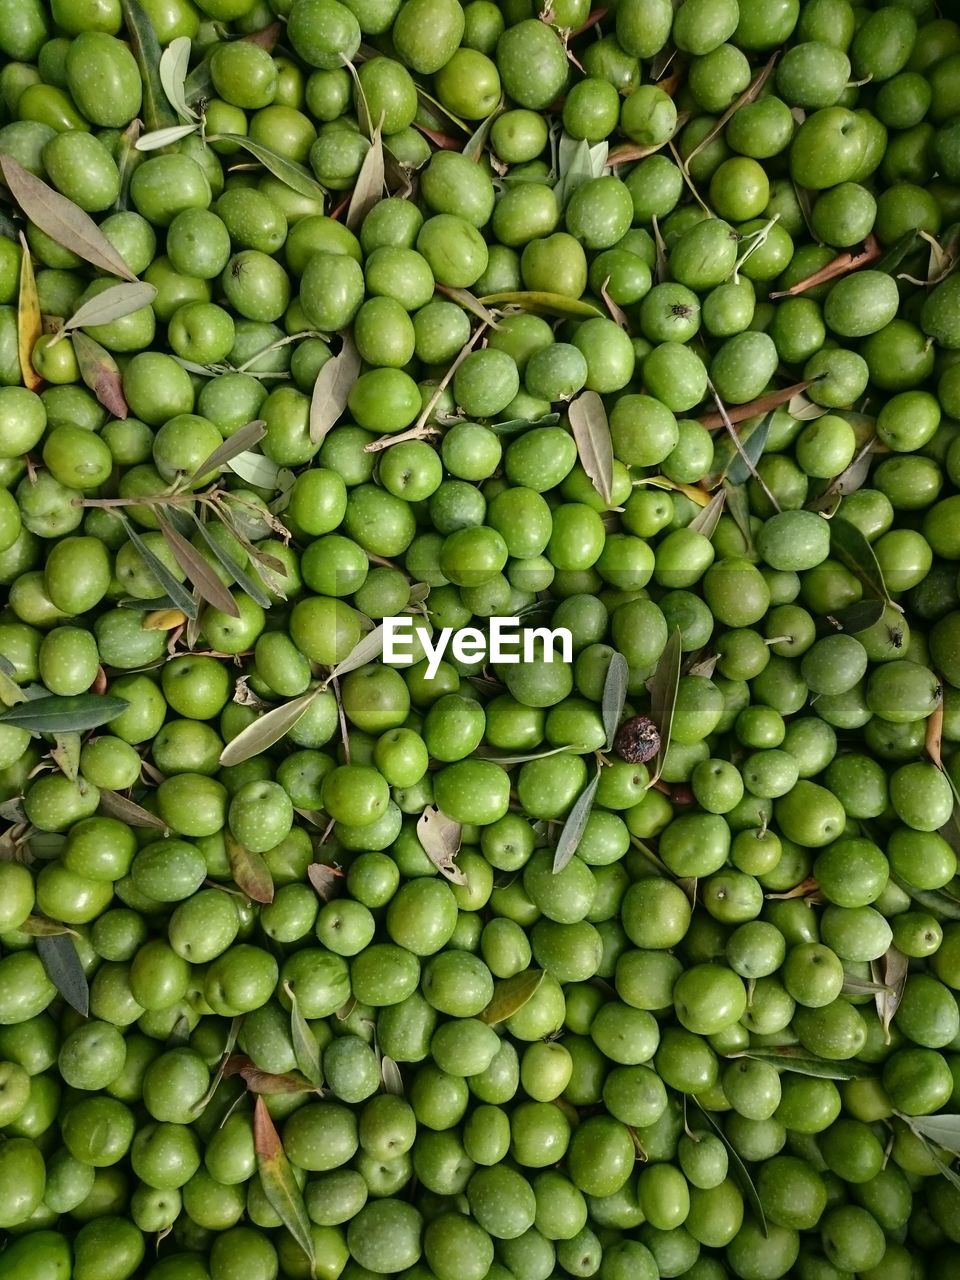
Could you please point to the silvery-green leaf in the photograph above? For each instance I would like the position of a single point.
(112, 304)
(268, 729)
(367, 649)
(158, 138)
(591, 431)
(174, 65)
(573, 827)
(614, 696)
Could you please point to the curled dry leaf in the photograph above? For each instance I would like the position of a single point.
(61, 219)
(841, 265)
(440, 837)
(101, 373)
(893, 971)
(324, 879)
(591, 431)
(29, 323)
(249, 870)
(115, 805)
(391, 1077)
(331, 389)
(934, 735)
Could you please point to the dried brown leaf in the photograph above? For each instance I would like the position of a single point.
(29, 323)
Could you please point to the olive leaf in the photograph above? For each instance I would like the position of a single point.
(293, 175)
(218, 1075)
(591, 431)
(236, 571)
(853, 985)
(112, 304)
(62, 964)
(738, 1170)
(174, 65)
(331, 389)
(511, 994)
(851, 548)
(305, 1048)
(368, 648)
(145, 47)
(944, 1169)
(115, 805)
(520, 758)
(29, 323)
(708, 517)
(158, 138)
(177, 592)
(803, 409)
(515, 426)
(614, 696)
(739, 508)
(789, 1057)
(61, 219)
(126, 163)
(894, 973)
(663, 687)
(66, 754)
(101, 373)
(268, 729)
(936, 901)
(469, 303)
(575, 824)
(391, 1077)
(256, 469)
(324, 879)
(943, 1129)
(740, 447)
(368, 189)
(536, 300)
(476, 144)
(249, 870)
(858, 616)
(895, 253)
(240, 441)
(848, 481)
(662, 261)
(744, 463)
(205, 581)
(577, 163)
(41, 927)
(280, 1186)
(440, 838)
(72, 713)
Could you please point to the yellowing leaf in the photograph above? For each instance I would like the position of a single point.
(29, 324)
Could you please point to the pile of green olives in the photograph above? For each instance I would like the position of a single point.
(640, 326)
